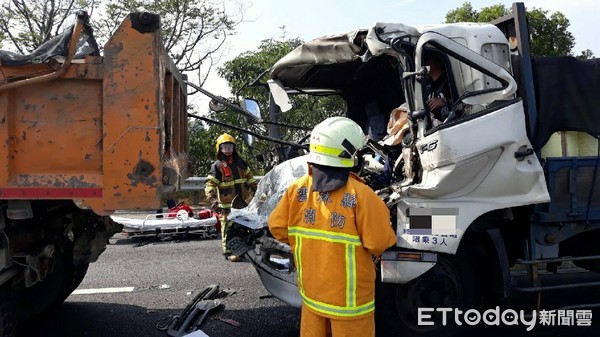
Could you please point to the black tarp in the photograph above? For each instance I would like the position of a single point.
(567, 96)
(56, 46)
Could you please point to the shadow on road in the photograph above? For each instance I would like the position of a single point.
(93, 319)
(118, 239)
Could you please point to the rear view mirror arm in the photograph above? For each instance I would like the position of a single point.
(259, 136)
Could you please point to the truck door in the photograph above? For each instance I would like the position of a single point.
(484, 155)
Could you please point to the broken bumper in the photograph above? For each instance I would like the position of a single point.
(272, 259)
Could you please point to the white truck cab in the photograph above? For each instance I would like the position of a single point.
(470, 195)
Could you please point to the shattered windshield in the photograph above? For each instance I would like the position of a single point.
(269, 192)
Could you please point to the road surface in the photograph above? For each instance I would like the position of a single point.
(155, 279)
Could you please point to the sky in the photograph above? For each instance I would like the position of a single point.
(309, 19)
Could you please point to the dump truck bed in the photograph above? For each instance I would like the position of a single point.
(110, 133)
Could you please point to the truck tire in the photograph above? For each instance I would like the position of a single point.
(40, 297)
(451, 283)
(8, 319)
(79, 272)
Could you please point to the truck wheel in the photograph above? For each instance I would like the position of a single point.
(40, 297)
(449, 284)
(8, 319)
(79, 272)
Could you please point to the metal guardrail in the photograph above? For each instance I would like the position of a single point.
(193, 184)
(196, 185)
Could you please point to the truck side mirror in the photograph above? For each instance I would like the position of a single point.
(252, 107)
(216, 106)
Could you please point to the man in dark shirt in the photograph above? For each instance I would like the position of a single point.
(437, 89)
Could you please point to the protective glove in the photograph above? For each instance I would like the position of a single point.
(213, 201)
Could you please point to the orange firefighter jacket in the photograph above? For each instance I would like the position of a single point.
(333, 236)
(228, 179)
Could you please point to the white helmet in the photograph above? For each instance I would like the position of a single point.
(335, 141)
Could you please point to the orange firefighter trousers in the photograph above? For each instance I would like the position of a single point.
(313, 325)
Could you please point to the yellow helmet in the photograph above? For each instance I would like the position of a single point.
(224, 138)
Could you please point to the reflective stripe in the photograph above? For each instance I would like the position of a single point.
(350, 242)
(224, 205)
(297, 255)
(337, 310)
(319, 234)
(250, 181)
(331, 151)
(232, 183)
(350, 276)
(227, 183)
(213, 179)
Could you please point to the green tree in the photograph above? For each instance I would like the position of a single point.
(242, 70)
(586, 54)
(193, 31)
(238, 72)
(464, 13)
(549, 34)
(27, 24)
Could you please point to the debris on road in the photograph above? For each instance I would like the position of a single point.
(228, 321)
(194, 314)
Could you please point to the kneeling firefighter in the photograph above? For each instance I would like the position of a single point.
(334, 224)
(230, 183)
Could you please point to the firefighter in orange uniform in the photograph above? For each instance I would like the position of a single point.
(334, 224)
(229, 178)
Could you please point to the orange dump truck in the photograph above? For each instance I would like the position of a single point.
(82, 135)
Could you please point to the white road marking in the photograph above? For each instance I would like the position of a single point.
(103, 291)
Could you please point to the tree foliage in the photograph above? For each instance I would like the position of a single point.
(238, 72)
(249, 65)
(466, 13)
(244, 69)
(193, 31)
(586, 54)
(203, 137)
(27, 24)
(549, 34)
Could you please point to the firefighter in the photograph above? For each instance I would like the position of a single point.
(229, 183)
(334, 224)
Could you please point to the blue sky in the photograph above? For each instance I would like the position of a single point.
(308, 19)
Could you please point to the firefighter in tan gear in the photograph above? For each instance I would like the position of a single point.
(230, 183)
(334, 224)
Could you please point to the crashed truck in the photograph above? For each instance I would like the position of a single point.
(83, 135)
(510, 186)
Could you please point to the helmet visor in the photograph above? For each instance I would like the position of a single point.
(227, 147)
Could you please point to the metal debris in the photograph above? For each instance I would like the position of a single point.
(228, 321)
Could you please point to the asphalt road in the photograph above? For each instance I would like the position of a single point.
(166, 275)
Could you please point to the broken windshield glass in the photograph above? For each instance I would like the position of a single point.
(269, 192)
